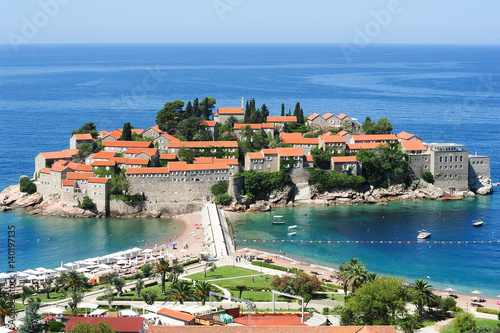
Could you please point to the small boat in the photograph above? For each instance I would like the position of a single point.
(292, 233)
(278, 219)
(292, 227)
(477, 223)
(423, 234)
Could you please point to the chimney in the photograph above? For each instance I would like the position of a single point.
(242, 102)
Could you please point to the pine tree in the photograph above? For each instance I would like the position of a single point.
(196, 108)
(126, 132)
(206, 110)
(264, 113)
(282, 109)
(189, 110)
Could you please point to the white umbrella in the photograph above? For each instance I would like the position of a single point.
(22, 275)
(147, 251)
(204, 252)
(477, 292)
(4, 330)
(32, 277)
(31, 271)
(104, 266)
(82, 270)
(122, 262)
(128, 313)
(50, 271)
(61, 269)
(150, 315)
(54, 310)
(450, 289)
(88, 305)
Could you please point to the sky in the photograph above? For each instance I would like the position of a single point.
(250, 21)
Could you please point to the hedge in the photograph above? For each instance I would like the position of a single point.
(486, 310)
(280, 268)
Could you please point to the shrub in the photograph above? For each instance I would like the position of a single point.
(87, 204)
(428, 177)
(223, 199)
(219, 188)
(448, 304)
(26, 185)
(56, 326)
(280, 268)
(490, 311)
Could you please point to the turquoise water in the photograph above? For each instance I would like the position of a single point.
(45, 241)
(441, 93)
(464, 267)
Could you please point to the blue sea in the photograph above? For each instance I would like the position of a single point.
(441, 93)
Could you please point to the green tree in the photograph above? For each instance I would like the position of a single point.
(321, 158)
(423, 294)
(26, 293)
(149, 296)
(85, 149)
(241, 289)
(378, 302)
(188, 112)
(87, 203)
(75, 281)
(161, 268)
(47, 286)
(139, 284)
(302, 285)
(165, 118)
(282, 109)
(196, 109)
(175, 271)
(207, 105)
(84, 327)
(26, 185)
(89, 128)
(343, 276)
(76, 298)
(126, 132)
(4, 310)
(357, 273)
(210, 267)
(188, 128)
(382, 126)
(223, 199)
(32, 321)
(109, 294)
(181, 291)
(147, 269)
(246, 118)
(202, 291)
(219, 188)
(448, 304)
(119, 283)
(187, 155)
(464, 322)
(56, 326)
(428, 177)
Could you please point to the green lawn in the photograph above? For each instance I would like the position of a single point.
(479, 322)
(54, 297)
(223, 272)
(251, 282)
(261, 296)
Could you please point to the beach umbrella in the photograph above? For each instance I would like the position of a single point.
(150, 316)
(88, 305)
(122, 262)
(477, 292)
(32, 277)
(128, 313)
(61, 269)
(82, 270)
(147, 251)
(4, 330)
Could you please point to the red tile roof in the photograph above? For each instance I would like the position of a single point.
(208, 123)
(98, 180)
(229, 161)
(45, 170)
(368, 145)
(104, 132)
(283, 152)
(79, 175)
(267, 126)
(119, 160)
(342, 133)
(140, 171)
(168, 157)
(313, 116)
(203, 144)
(121, 325)
(309, 158)
(59, 163)
(81, 137)
(341, 116)
(148, 151)
(117, 134)
(127, 144)
(413, 145)
(59, 168)
(269, 151)
(239, 111)
(170, 137)
(103, 163)
(243, 126)
(328, 115)
(255, 156)
(137, 161)
(104, 155)
(290, 135)
(68, 182)
(287, 119)
(55, 155)
(183, 166)
(137, 131)
(301, 141)
(374, 137)
(333, 139)
(203, 160)
(176, 314)
(155, 128)
(273, 328)
(405, 136)
(343, 159)
(84, 167)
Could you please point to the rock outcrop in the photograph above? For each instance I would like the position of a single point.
(481, 185)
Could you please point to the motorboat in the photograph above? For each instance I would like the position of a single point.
(292, 233)
(278, 219)
(423, 234)
(292, 227)
(477, 223)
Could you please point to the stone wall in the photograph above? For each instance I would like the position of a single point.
(299, 175)
(419, 164)
(479, 166)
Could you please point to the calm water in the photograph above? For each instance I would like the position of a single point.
(441, 93)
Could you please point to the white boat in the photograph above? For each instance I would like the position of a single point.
(292, 233)
(292, 227)
(423, 234)
(477, 223)
(278, 219)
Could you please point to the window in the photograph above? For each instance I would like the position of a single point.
(461, 158)
(269, 166)
(67, 190)
(287, 165)
(440, 167)
(481, 162)
(260, 167)
(445, 176)
(456, 158)
(456, 175)
(296, 165)
(426, 167)
(269, 158)
(445, 159)
(440, 159)
(445, 167)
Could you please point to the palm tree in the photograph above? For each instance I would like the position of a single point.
(181, 291)
(423, 292)
(357, 274)
(74, 281)
(4, 310)
(175, 271)
(161, 268)
(342, 275)
(209, 266)
(202, 290)
(241, 289)
(371, 277)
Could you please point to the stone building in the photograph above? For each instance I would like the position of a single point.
(206, 148)
(79, 139)
(223, 114)
(266, 128)
(450, 166)
(419, 156)
(122, 146)
(162, 141)
(296, 140)
(43, 160)
(332, 143)
(212, 127)
(346, 164)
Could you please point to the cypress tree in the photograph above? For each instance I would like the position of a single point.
(196, 108)
(206, 110)
(264, 113)
(247, 113)
(297, 110)
(282, 109)
(300, 116)
(126, 132)
(189, 110)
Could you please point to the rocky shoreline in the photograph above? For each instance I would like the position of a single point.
(12, 198)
